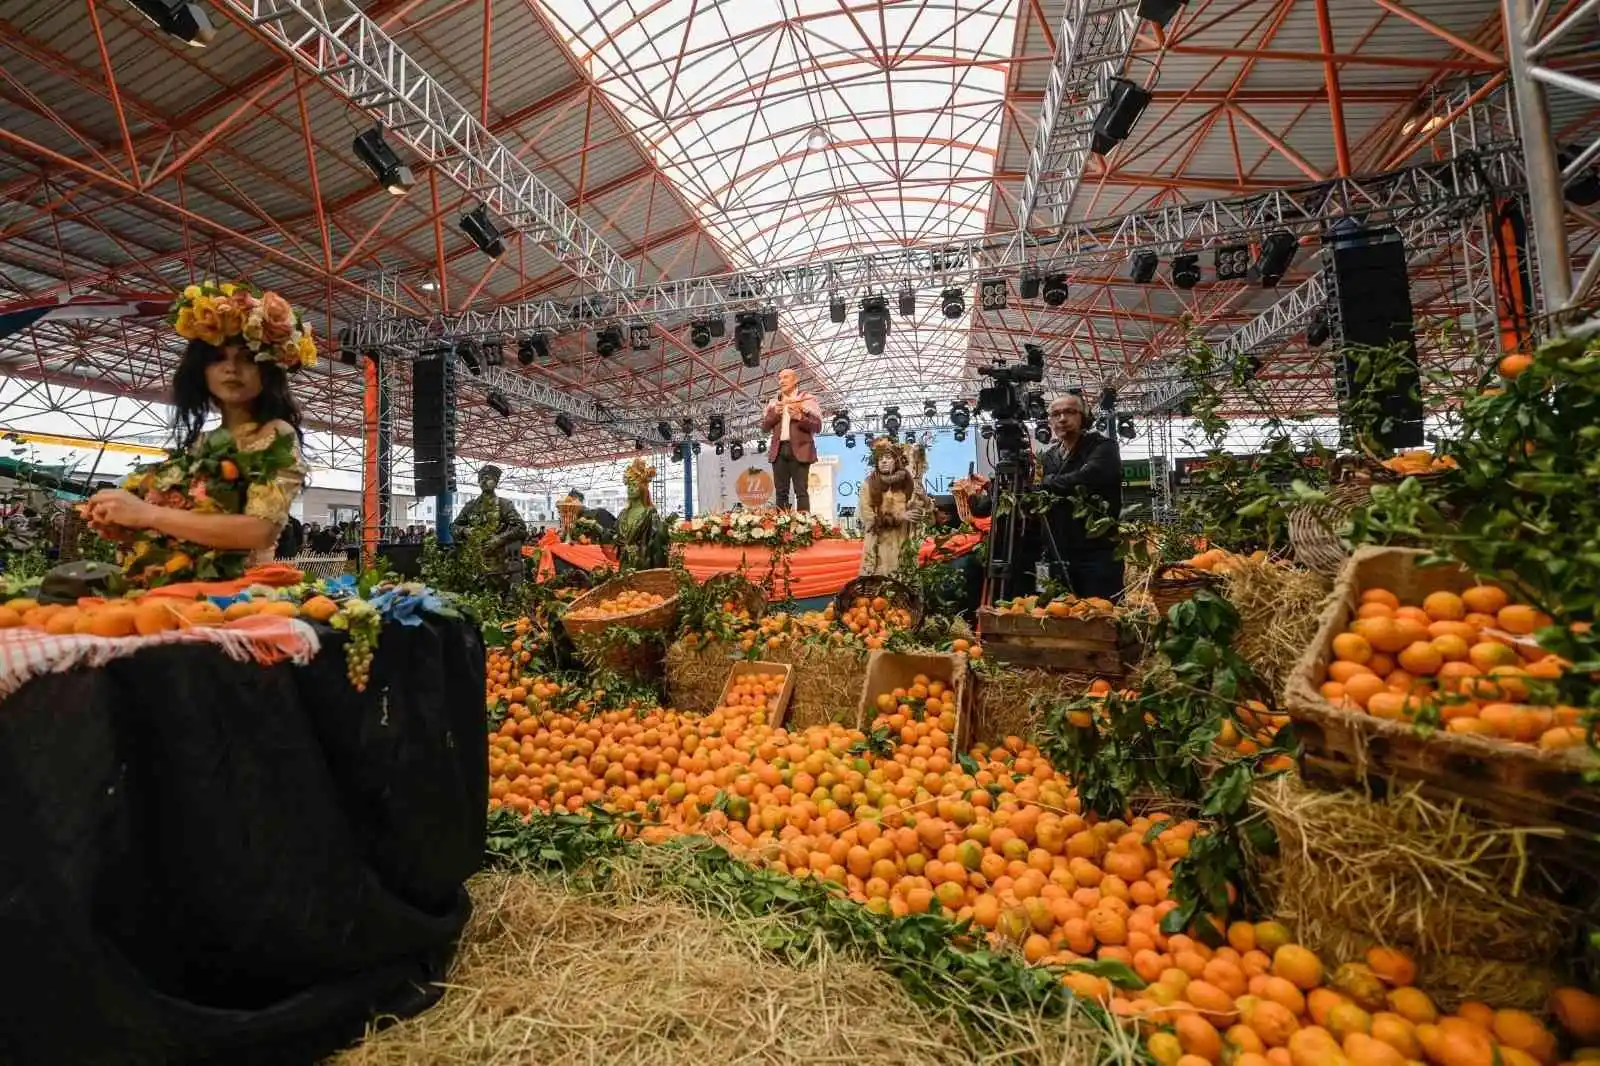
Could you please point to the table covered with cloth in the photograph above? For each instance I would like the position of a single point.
(821, 569)
(207, 858)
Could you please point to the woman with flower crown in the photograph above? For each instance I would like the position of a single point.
(243, 346)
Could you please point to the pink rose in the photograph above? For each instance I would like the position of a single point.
(277, 318)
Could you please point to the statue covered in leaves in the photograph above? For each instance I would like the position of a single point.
(641, 534)
(491, 525)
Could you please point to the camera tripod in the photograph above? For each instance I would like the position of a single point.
(1007, 575)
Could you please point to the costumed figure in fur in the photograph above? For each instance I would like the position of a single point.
(892, 503)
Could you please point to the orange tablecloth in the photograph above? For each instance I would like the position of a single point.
(820, 570)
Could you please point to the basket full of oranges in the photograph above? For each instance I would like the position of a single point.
(642, 600)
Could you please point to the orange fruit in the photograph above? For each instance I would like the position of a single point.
(1397, 1033)
(1380, 595)
(1413, 1005)
(1364, 1050)
(1514, 365)
(110, 622)
(1352, 648)
(1387, 704)
(1421, 659)
(1362, 688)
(1488, 654)
(9, 617)
(1342, 671)
(1452, 647)
(1383, 634)
(1521, 1030)
(1444, 607)
(1347, 1018)
(1484, 599)
(1578, 1012)
(1273, 1022)
(1374, 610)
(1519, 618)
(1298, 966)
(1198, 1036)
(1394, 967)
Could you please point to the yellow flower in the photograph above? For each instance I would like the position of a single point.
(252, 327)
(227, 288)
(191, 292)
(185, 324)
(307, 351)
(232, 319)
(208, 322)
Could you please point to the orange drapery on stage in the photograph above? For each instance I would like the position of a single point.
(820, 570)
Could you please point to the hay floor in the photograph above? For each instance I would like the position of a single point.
(549, 972)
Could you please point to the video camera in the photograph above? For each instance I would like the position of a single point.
(1006, 400)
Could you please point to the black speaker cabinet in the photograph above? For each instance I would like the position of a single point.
(1375, 310)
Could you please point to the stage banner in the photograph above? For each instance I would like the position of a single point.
(723, 482)
(948, 460)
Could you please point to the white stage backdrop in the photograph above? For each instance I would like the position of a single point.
(721, 482)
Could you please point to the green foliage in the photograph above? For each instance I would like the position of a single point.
(940, 963)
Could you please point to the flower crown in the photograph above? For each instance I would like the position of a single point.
(261, 321)
(884, 444)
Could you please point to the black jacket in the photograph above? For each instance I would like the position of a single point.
(1095, 466)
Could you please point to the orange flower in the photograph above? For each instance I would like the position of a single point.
(230, 470)
(208, 322)
(277, 318)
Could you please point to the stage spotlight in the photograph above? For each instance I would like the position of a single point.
(1055, 290)
(470, 352)
(986, 431)
(849, 440)
(678, 452)
(1108, 398)
(532, 348)
(908, 303)
(953, 302)
(1037, 408)
(665, 429)
(1145, 263)
(702, 332)
(374, 151)
(930, 409)
(1125, 428)
(836, 311)
(891, 420)
(716, 428)
(697, 447)
(639, 337)
(1185, 271)
(1124, 104)
(481, 231)
(1159, 11)
(873, 323)
(747, 338)
(720, 448)
(761, 445)
(960, 435)
(564, 424)
(960, 414)
(187, 22)
(1041, 433)
(841, 423)
(1029, 287)
(769, 320)
(1319, 329)
(607, 342)
(499, 404)
(1277, 252)
(687, 425)
(494, 353)
(638, 444)
(736, 450)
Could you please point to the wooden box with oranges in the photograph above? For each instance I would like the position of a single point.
(933, 683)
(769, 684)
(1423, 674)
(1066, 633)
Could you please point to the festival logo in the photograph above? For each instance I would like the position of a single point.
(754, 487)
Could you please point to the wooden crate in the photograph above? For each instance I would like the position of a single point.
(1513, 784)
(741, 668)
(1077, 645)
(889, 670)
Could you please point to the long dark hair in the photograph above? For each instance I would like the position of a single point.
(191, 399)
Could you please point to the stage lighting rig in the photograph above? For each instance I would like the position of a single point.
(499, 403)
(720, 448)
(702, 332)
(841, 423)
(187, 22)
(1185, 270)
(1277, 253)
(665, 429)
(908, 303)
(849, 440)
(953, 302)
(687, 425)
(930, 410)
(1125, 428)
(482, 232)
(564, 424)
(959, 435)
(1144, 267)
(1041, 433)
(891, 420)
(1319, 329)
(716, 428)
(470, 352)
(1055, 290)
(736, 450)
(1125, 102)
(1160, 12)
(872, 323)
(747, 335)
(678, 451)
(607, 341)
(1028, 287)
(761, 445)
(639, 337)
(960, 414)
(533, 348)
(836, 310)
(374, 151)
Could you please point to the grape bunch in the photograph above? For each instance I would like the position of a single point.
(364, 625)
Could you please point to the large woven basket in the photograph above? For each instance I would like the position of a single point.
(733, 587)
(1175, 583)
(898, 593)
(661, 616)
(1314, 529)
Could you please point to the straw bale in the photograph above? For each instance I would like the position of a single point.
(695, 676)
(1012, 701)
(1483, 917)
(827, 684)
(1279, 610)
(551, 972)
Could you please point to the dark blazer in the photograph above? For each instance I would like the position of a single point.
(1095, 466)
(803, 429)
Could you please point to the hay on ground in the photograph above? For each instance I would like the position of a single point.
(1013, 701)
(827, 684)
(1482, 916)
(1279, 608)
(695, 676)
(552, 973)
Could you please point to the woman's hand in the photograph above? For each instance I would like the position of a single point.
(118, 507)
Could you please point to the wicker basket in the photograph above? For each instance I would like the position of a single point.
(1313, 529)
(1174, 583)
(734, 587)
(588, 634)
(898, 593)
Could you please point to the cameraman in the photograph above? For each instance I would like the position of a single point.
(1082, 472)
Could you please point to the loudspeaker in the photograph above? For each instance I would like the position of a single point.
(433, 426)
(1375, 310)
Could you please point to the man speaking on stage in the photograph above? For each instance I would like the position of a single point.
(795, 418)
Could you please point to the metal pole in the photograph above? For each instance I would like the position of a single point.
(1545, 196)
(688, 480)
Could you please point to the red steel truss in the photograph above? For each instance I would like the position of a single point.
(696, 137)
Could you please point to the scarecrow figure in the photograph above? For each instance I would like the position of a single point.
(892, 503)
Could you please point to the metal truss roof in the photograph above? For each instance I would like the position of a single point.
(695, 139)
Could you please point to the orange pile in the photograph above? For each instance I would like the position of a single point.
(1261, 1000)
(1462, 655)
(630, 601)
(1059, 607)
(142, 616)
(1420, 461)
(872, 619)
(1221, 561)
